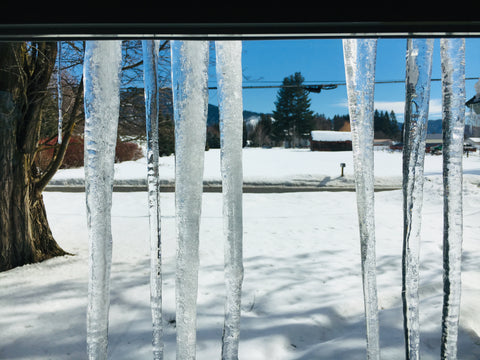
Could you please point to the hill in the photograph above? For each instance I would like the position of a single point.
(214, 115)
(434, 127)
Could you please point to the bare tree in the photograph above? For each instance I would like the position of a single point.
(26, 93)
(25, 71)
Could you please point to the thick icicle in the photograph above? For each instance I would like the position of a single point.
(453, 92)
(190, 98)
(59, 91)
(102, 99)
(229, 77)
(150, 65)
(360, 58)
(418, 74)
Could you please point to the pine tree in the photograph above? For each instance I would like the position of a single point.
(293, 117)
(386, 125)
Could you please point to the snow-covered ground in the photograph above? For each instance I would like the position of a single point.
(302, 293)
(279, 165)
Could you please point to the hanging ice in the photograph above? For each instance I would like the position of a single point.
(59, 91)
(190, 99)
(453, 93)
(150, 65)
(418, 73)
(102, 99)
(360, 58)
(229, 77)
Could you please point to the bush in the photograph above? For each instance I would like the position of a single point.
(74, 155)
(124, 151)
(127, 151)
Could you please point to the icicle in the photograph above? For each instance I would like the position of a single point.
(190, 98)
(59, 91)
(360, 57)
(418, 74)
(453, 92)
(150, 65)
(102, 100)
(229, 76)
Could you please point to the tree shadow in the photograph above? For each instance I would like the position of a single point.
(286, 313)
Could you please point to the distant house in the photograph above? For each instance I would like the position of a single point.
(474, 104)
(474, 141)
(330, 140)
(382, 144)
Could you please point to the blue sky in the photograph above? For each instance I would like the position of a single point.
(268, 62)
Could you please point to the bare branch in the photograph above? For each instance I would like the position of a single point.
(57, 160)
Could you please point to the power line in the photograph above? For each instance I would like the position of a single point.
(317, 88)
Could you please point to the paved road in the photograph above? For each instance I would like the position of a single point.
(216, 187)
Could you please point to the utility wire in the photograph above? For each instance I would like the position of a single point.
(317, 88)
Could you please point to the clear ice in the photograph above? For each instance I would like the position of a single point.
(59, 91)
(102, 66)
(150, 66)
(418, 74)
(360, 59)
(452, 54)
(229, 77)
(190, 98)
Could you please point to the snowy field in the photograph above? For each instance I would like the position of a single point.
(302, 293)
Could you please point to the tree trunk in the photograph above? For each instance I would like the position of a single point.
(25, 235)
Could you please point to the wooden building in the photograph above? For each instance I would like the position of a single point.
(330, 140)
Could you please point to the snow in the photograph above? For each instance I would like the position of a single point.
(323, 135)
(302, 292)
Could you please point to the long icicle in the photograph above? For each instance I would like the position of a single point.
(418, 74)
(150, 66)
(229, 77)
(360, 58)
(453, 92)
(59, 91)
(190, 99)
(102, 68)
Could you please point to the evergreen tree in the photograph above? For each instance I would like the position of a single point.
(394, 127)
(320, 122)
(293, 117)
(386, 125)
(339, 121)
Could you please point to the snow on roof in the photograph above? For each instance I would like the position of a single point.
(320, 135)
